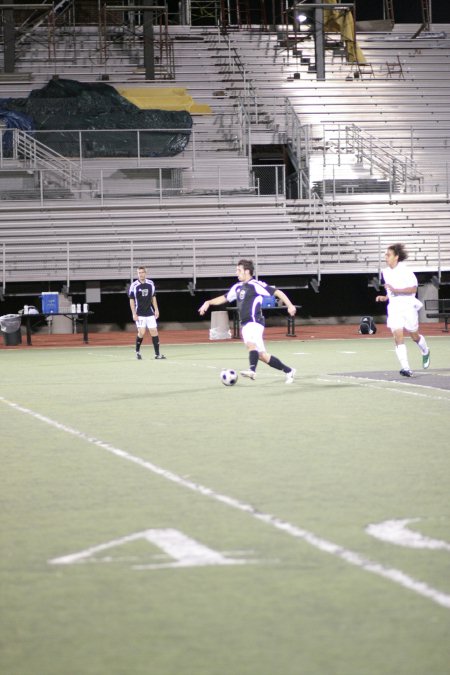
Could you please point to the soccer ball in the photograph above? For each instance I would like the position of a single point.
(229, 377)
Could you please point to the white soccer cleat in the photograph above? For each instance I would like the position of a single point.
(290, 376)
(249, 373)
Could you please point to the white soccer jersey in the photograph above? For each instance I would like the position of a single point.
(402, 309)
(400, 277)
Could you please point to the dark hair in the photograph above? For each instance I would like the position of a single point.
(399, 250)
(247, 265)
(141, 267)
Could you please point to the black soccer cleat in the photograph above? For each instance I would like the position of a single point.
(160, 356)
(138, 356)
(406, 373)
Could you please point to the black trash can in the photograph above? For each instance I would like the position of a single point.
(10, 328)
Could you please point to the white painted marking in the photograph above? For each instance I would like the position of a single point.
(82, 556)
(397, 532)
(347, 352)
(365, 382)
(397, 576)
(186, 551)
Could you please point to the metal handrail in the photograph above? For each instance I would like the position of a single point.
(234, 64)
(69, 259)
(35, 154)
(378, 153)
(25, 137)
(401, 171)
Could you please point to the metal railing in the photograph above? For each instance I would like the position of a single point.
(33, 154)
(333, 142)
(193, 257)
(401, 170)
(158, 183)
(232, 64)
(137, 145)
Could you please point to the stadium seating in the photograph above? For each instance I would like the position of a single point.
(193, 214)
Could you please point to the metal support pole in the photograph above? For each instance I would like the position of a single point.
(194, 263)
(131, 261)
(68, 265)
(439, 255)
(446, 180)
(80, 147)
(9, 56)
(319, 44)
(41, 187)
(379, 257)
(149, 41)
(4, 268)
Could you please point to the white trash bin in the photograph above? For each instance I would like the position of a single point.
(220, 326)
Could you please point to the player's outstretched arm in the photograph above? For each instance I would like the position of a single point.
(284, 298)
(219, 300)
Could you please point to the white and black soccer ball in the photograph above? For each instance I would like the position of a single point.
(229, 377)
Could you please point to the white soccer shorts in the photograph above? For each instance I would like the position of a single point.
(146, 322)
(403, 317)
(253, 332)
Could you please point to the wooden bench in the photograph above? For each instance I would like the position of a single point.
(438, 309)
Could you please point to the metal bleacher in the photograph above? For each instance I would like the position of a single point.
(411, 112)
(401, 110)
(180, 240)
(208, 214)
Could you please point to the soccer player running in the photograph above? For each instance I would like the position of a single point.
(144, 308)
(401, 287)
(248, 293)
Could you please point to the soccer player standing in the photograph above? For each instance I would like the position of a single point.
(248, 293)
(403, 306)
(145, 312)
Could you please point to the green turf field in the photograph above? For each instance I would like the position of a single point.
(155, 522)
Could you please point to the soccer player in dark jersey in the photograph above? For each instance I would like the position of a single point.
(144, 308)
(248, 293)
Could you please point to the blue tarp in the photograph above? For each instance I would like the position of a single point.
(12, 120)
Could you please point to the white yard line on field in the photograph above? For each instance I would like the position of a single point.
(351, 557)
(372, 383)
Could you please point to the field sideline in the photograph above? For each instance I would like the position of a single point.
(157, 522)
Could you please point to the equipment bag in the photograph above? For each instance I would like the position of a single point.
(367, 325)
